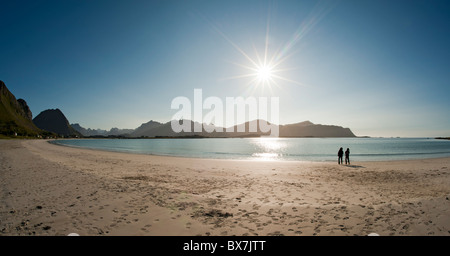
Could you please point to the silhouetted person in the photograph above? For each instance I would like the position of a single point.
(347, 156)
(340, 154)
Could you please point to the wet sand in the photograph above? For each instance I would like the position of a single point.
(55, 190)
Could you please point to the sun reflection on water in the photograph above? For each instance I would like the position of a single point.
(268, 149)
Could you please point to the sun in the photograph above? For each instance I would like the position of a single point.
(264, 73)
(264, 69)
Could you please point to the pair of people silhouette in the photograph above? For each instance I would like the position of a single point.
(341, 154)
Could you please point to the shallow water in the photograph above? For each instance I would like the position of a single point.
(300, 149)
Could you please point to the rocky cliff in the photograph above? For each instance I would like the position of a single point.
(15, 115)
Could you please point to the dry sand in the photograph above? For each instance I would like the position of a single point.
(54, 190)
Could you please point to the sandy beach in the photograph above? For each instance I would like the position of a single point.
(55, 190)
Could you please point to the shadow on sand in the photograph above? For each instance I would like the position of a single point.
(354, 166)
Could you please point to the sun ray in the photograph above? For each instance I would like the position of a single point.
(266, 49)
(257, 56)
(266, 69)
(288, 80)
(277, 71)
(254, 69)
(283, 59)
(235, 46)
(239, 76)
(316, 15)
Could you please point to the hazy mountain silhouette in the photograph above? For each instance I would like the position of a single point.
(303, 129)
(89, 131)
(145, 129)
(116, 131)
(248, 129)
(99, 132)
(156, 129)
(308, 129)
(15, 115)
(53, 120)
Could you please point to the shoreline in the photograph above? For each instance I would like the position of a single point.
(232, 159)
(51, 190)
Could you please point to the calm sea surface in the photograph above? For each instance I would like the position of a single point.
(300, 149)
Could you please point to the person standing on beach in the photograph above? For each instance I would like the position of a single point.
(340, 154)
(347, 156)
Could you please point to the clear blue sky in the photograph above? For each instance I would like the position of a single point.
(381, 68)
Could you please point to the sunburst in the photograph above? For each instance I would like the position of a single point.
(267, 71)
(264, 73)
(262, 70)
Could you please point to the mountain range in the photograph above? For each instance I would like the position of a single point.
(16, 120)
(99, 132)
(157, 129)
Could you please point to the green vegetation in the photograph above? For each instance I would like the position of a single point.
(15, 117)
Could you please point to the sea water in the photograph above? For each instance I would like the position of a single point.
(299, 149)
